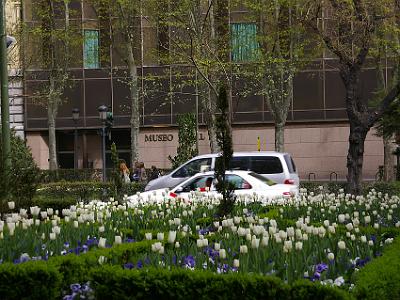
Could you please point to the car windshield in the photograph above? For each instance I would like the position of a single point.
(263, 179)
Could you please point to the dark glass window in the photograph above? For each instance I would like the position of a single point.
(240, 163)
(266, 164)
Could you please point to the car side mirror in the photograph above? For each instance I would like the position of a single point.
(179, 190)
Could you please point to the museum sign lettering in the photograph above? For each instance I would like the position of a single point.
(149, 138)
(158, 138)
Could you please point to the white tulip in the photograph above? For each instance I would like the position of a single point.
(11, 205)
(52, 236)
(102, 259)
(171, 237)
(217, 246)
(102, 242)
(243, 249)
(255, 243)
(236, 263)
(299, 246)
(342, 245)
(160, 236)
(264, 241)
(331, 256)
(222, 253)
(117, 240)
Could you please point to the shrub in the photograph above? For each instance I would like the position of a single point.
(187, 139)
(111, 282)
(30, 280)
(85, 190)
(390, 188)
(24, 176)
(380, 279)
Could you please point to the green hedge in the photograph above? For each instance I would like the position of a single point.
(30, 280)
(391, 188)
(380, 279)
(85, 190)
(112, 282)
(26, 280)
(71, 175)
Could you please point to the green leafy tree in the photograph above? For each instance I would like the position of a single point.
(224, 140)
(279, 56)
(388, 49)
(187, 136)
(350, 36)
(122, 18)
(198, 33)
(57, 35)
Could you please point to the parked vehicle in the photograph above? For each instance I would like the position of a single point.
(244, 182)
(276, 166)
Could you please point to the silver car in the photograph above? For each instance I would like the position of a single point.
(276, 166)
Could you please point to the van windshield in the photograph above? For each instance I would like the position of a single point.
(263, 179)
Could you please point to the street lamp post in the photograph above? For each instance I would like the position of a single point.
(103, 117)
(5, 42)
(75, 118)
(397, 153)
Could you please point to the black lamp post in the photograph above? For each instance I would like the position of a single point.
(103, 117)
(397, 153)
(75, 118)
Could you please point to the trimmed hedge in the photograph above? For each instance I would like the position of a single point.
(26, 280)
(85, 190)
(391, 188)
(111, 282)
(380, 279)
(31, 280)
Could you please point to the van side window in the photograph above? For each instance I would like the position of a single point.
(193, 167)
(238, 163)
(266, 164)
(290, 164)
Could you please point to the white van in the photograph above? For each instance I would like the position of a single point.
(276, 166)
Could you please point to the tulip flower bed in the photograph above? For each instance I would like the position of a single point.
(322, 238)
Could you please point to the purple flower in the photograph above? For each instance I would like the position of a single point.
(139, 264)
(189, 261)
(129, 266)
(75, 288)
(321, 268)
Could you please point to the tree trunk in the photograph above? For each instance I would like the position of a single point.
(355, 157)
(51, 116)
(212, 136)
(135, 115)
(279, 137)
(388, 169)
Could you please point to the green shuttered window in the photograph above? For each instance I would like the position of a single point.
(91, 49)
(244, 42)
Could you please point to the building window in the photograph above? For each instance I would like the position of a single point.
(244, 42)
(91, 49)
